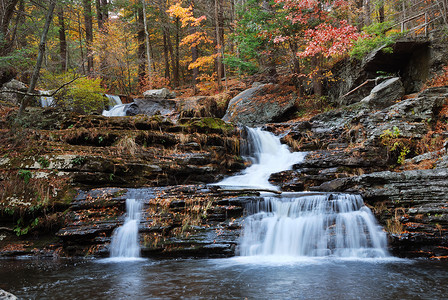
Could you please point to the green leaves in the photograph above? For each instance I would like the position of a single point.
(375, 36)
(25, 175)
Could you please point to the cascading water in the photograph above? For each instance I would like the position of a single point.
(301, 224)
(114, 100)
(117, 108)
(46, 101)
(116, 111)
(125, 242)
(268, 155)
(298, 224)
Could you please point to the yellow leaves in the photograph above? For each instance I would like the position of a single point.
(185, 15)
(203, 62)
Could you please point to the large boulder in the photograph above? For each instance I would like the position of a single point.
(256, 105)
(150, 106)
(162, 93)
(385, 94)
(13, 85)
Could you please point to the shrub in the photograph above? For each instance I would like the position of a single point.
(84, 95)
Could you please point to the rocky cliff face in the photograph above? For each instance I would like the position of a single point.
(62, 152)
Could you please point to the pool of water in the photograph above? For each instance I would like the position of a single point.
(235, 278)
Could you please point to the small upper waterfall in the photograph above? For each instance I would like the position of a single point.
(301, 224)
(125, 243)
(268, 156)
(298, 224)
(114, 100)
(118, 110)
(46, 101)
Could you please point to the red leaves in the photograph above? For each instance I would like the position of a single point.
(329, 40)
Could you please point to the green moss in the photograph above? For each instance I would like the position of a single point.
(207, 124)
(119, 193)
(68, 196)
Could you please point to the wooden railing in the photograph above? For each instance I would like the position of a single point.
(422, 17)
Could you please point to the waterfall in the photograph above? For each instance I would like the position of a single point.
(125, 242)
(116, 107)
(118, 110)
(298, 224)
(268, 155)
(46, 101)
(301, 224)
(114, 100)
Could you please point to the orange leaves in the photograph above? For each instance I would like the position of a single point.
(440, 79)
(185, 15)
(196, 39)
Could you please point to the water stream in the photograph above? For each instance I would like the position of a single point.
(268, 155)
(337, 225)
(117, 108)
(125, 244)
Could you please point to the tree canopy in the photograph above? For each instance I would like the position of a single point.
(127, 46)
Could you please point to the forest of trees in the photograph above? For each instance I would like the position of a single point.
(128, 46)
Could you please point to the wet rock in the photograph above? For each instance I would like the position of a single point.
(132, 109)
(4, 295)
(289, 181)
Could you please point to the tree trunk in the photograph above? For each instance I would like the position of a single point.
(40, 56)
(7, 9)
(166, 55)
(381, 17)
(102, 13)
(176, 64)
(194, 54)
(78, 15)
(141, 48)
(62, 39)
(296, 66)
(219, 26)
(269, 59)
(173, 59)
(148, 57)
(317, 76)
(367, 20)
(88, 24)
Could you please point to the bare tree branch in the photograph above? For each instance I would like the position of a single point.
(45, 95)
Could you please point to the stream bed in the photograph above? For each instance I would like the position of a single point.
(235, 278)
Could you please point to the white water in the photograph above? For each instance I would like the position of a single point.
(125, 244)
(46, 101)
(269, 156)
(299, 225)
(116, 111)
(114, 100)
(337, 225)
